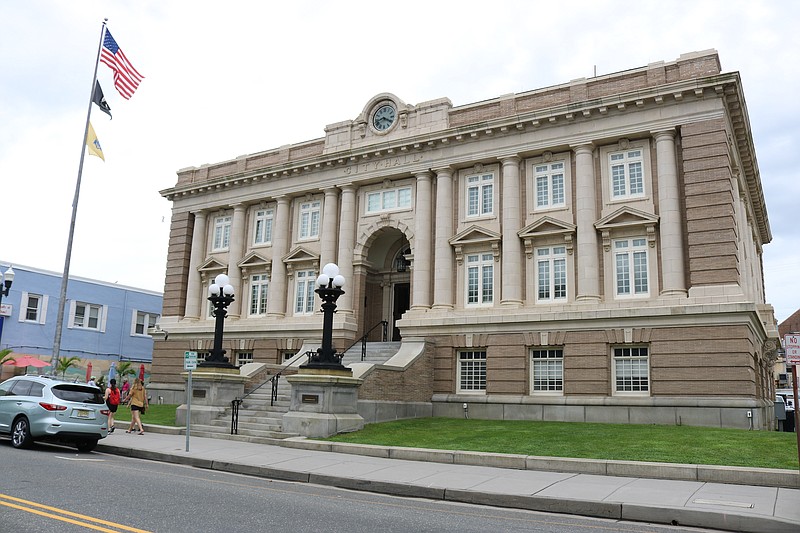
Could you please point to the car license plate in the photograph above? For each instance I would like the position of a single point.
(82, 413)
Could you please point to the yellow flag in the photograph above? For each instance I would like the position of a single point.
(93, 143)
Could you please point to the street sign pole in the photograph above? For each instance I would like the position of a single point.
(189, 364)
(791, 343)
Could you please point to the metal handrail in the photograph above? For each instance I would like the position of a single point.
(236, 402)
(363, 338)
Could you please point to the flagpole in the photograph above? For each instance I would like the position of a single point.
(62, 300)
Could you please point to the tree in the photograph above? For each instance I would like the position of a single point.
(125, 368)
(65, 363)
(5, 356)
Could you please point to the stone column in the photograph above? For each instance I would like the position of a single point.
(347, 238)
(512, 246)
(330, 227)
(588, 269)
(194, 285)
(443, 260)
(235, 254)
(421, 267)
(669, 210)
(276, 306)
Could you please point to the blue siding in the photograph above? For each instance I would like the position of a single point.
(118, 341)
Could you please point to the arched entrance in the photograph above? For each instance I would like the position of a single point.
(388, 282)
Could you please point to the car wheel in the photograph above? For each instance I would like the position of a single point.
(21, 433)
(85, 446)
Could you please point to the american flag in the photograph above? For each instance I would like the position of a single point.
(126, 78)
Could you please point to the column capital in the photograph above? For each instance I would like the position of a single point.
(444, 171)
(347, 187)
(510, 159)
(583, 148)
(424, 175)
(664, 135)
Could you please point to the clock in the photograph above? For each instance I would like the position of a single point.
(384, 117)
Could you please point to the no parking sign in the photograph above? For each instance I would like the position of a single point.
(791, 344)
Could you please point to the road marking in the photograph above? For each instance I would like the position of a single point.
(80, 459)
(26, 506)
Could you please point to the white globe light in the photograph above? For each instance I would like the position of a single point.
(213, 290)
(227, 290)
(322, 280)
(331, 270)
(338, 281)
(222, 280)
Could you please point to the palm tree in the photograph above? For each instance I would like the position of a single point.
(125, 368)
(5, 356)
(65, 363)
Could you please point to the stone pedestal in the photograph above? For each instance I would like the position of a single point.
(212, 392)
(323, 404)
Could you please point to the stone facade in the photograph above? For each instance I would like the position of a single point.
(589, 251)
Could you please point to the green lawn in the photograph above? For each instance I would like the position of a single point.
(160, 415)
(665, 444)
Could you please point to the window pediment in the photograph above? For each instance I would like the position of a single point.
(627, 217)
(547, 227)
(255, 262)
(210, 269)
(475, 235)
(300, 257)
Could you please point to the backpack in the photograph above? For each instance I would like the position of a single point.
(113, 396)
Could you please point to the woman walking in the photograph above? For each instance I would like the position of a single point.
(112, 401)
(137, 397)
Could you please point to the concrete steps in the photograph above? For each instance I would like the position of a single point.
(377, 353)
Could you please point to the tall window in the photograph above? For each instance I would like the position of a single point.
(259, 286)
(627, 174)
(480, 195)
(631, 370)
(389, 200)
(222, 233)
(304, 293)
(86, 316)
(472, 371)
(551, 273)
(144, 321)
(243, 357)
(480, 279)
(262, 233)
(630, 265)
(550, 185)
(309, 219)
(547, 370)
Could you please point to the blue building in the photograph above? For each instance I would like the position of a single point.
(103, 322)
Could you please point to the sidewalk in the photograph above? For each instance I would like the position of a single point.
(435, 475)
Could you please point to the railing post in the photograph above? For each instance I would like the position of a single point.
(385, 330)
(235, 416)
(274, 396)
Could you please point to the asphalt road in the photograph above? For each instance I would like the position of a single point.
(54, 489)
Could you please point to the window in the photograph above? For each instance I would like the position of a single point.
(203, 355)
(631, 370)
(547, 370)
(259, 286)
(627, 174)
(222, 233)
(144, 321)
(288, 355)
(549, 179)
(472, 371)
(86, 316)
(309, 219)
(630, 266)
(551, 274)
(262, 233)
(242, 358)
(304, 293)
(389, 200)
(480, 279)
(34, 308)
(480, 195)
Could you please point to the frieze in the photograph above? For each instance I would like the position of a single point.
(383, 164)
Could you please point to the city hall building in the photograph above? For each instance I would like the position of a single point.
(590, 251)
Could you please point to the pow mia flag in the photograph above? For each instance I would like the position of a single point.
(100, 100)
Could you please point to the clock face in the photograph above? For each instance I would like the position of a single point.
(384, 117)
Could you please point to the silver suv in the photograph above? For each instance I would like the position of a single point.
(44, 408)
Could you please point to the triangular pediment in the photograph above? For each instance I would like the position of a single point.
(300, 255)
(546, 226)
(474, 235)
(254, 260)
(626, 217)
(212, 265)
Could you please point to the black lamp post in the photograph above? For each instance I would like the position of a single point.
(220, 294)
(8, 279)
(329, 288)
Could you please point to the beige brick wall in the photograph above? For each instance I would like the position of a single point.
(178, 255)
(415, 384)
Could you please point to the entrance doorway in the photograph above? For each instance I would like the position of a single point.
(401, 302)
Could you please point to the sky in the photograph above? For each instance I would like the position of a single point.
(224, 79)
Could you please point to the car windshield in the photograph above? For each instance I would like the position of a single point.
(78, 393)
